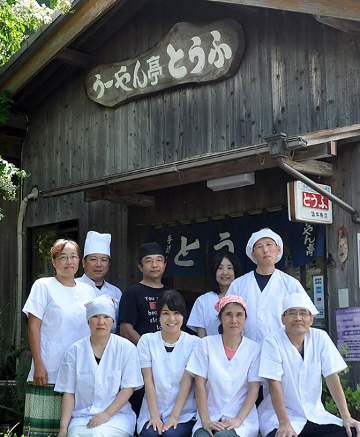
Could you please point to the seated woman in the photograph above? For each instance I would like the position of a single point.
(169, 404)
(97, 375)
(226, 369)
(203, 318)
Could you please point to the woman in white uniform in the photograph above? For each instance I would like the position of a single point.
(97, 375)
(203, 318)
(226, 369)
(56, 312)
(169, 404)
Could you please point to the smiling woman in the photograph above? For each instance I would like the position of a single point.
(169, 403)
(56, 312)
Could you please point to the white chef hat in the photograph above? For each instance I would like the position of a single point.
(97, 243)
(299, 300)
(102, 304)
(263, 233)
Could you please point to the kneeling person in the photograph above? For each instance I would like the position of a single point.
(293, 359)
(97, 375)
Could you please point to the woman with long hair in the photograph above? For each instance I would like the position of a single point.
(203, 318)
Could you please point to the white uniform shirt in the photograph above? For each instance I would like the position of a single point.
(108, 289)
(204, 315)
(168, 370)
(63, 319)
(96, 385)
(300, 379)
(227, 381)
(264, 308)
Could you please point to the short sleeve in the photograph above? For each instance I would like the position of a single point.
(196, 318)
(331, 360)
(199, 361)
(253, 373)
(37, 301)
(143, 349)
(270, 359)
(128, 311)
(131, 376)
(66, 379)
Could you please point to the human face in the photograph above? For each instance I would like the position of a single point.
(66, 263)
(233, 318)
(152, 267)
(96, 266)
(170, 321)
(297, 321)
(100, 325)
(265, 252)
(225, 274)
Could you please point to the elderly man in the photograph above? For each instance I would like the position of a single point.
(138, 304)
(264, 288)
(293, 359)
(96, 263)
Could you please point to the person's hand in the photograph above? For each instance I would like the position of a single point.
(157, 425)
(170, 423)
(232, 423)
(98, 419)
(40, 374)
(62, 433)
(209, 427)
(286, 431)
(351, 423)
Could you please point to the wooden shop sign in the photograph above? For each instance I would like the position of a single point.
(190, 53)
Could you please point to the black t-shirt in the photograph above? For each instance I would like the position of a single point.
(138, 307)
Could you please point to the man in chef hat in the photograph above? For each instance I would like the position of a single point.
(264, 288)
(293, 360)
(96, 263)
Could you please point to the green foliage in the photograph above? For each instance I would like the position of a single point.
(352, 396)
(8, 172)
(5, 105)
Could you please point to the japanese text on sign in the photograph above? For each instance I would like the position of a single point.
(204, 52)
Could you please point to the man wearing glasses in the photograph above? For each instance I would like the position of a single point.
(293, 359)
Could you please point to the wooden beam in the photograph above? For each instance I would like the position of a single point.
(111, 195)
(75, 58)
(319, 151)
(347, 9)
(53, 40)
(313, 167)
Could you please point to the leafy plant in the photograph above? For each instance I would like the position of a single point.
(352, 395)
(5, 105)
(8, 172)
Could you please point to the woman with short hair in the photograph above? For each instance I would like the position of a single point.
(56, 312)
(169, 404)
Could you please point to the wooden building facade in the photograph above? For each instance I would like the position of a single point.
(119, 169)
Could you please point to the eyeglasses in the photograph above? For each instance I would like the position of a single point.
(302, 313)
(65, 258)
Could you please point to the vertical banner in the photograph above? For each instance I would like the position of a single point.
(306, 241)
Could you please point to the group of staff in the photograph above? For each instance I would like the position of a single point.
(256, 331)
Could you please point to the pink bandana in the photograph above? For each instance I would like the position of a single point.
(229, 299)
